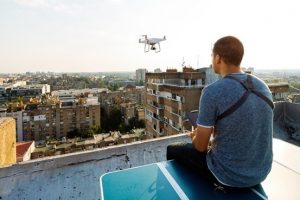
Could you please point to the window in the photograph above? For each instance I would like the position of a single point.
(174, 96)
(193, 82)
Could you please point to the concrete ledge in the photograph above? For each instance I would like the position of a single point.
(7, 141)
(77, 175)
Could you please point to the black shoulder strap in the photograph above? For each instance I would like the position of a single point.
(248, 85)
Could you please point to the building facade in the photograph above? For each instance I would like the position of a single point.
(169, 96)
(140, 75)
(42, 121)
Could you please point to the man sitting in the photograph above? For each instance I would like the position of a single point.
(237, 111)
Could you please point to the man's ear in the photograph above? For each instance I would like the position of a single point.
(218, 59)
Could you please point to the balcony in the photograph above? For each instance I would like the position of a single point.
(170, 102)
(172, 116)
(152, 97)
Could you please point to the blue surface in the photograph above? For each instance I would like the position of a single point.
(149, 182)
(146, 182)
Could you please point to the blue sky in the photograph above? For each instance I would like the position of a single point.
(102, 35)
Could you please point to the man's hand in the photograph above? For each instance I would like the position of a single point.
(191, 134)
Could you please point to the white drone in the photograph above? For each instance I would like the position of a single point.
(151, 43)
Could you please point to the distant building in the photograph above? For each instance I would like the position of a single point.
(157, 70)
(279, 91)
(18, 116)
(42, 121)
(140, 75)
(140, 113)
(210, 75)
(170, 95)
(128, 111)
(77, 92)
(132, 94)
(20, 89)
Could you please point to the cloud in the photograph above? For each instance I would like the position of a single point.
(33, 3)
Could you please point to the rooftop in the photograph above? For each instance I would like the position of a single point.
(22, 147)
(76, 175)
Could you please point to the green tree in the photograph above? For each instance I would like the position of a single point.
(74, 133)
(115, 118)
(104, 120)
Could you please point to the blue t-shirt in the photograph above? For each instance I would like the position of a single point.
(241, 151)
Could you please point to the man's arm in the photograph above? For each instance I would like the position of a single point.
(200, 137)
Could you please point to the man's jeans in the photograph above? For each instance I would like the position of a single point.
(187, 155)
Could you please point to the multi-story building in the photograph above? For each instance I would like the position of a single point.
(56, 120)
(169, 96)
(108, 98)
(128, 111)
(140, 75)
(18, 116)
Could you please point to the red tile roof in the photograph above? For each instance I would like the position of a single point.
(22, 147)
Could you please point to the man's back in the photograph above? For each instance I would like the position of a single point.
(241, 153)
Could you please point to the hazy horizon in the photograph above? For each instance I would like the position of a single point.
(133, 71)
(76, 36)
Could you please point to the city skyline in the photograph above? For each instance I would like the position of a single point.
(101, 36)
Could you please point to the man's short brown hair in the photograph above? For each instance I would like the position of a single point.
(230, 49)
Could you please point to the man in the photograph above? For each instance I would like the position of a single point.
(237, 111)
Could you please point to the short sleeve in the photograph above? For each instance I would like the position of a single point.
(207, 109)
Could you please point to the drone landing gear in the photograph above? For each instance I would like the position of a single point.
(146, 48)
(149, 47)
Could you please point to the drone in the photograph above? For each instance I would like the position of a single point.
(151, 43)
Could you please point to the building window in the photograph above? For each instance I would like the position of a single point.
(174, 96)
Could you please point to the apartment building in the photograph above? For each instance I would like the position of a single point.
(169, 96)
(140, 74)
(56, 120)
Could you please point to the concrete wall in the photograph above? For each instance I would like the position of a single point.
(7, 141)
(76, 176)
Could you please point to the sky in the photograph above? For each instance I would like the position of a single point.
(102, 35)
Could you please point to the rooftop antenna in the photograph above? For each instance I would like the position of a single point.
(183, 62)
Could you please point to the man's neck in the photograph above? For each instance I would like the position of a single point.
(231, 70)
